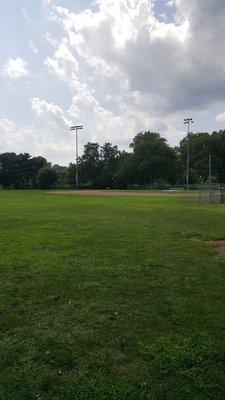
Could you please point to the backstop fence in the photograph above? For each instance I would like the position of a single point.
(212, 194)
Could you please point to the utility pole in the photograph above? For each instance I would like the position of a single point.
(188, 121)
(76, 128)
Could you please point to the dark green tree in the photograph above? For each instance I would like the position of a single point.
(154, 159)
(62, 173)
(46, 177)
(108, 163)
(19, 171)
(125, 172)
(199, 155)
(202, 145)
(37, 163)
(71, 175)
(217, 151)
(90, 165)
(9, 170)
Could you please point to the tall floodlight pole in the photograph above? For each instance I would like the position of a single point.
(188, 121)
(76, 128)
(210, 179)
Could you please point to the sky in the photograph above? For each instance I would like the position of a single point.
(118, 67)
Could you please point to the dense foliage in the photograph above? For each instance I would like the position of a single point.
(151, 162)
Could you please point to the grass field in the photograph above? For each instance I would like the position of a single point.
(109, 298)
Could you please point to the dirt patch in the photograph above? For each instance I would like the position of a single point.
(219, 246)
(124, 193)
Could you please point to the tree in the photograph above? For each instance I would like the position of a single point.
(46, 177)
(9, 170)
(37, 163)
(202, 145)
(152, 162)
(217, 151)
(71, 175)
(89, 164)
(199, 155)
(24, 172)
(108, 163)
(19, 171)
(125, 172)
(153, 159)
(61, 174)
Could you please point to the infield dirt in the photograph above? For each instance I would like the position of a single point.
(124, 193)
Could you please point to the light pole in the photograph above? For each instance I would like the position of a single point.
(76, 128)
(1, 170)
(210, 180)
(188, 121)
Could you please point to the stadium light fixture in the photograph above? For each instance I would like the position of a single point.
(76, 128)
(188, 122)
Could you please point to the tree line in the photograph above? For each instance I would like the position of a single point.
(151, 162)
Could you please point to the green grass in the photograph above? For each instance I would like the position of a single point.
(108, 298)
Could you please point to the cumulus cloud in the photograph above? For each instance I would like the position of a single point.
(51, 114)
(14, 138)
(55, 138)
(220, 117)
(48, 142)
(181, 62)
(109, 48)
(124, 68)
(63, 64)
(15, 68)
(170, 3)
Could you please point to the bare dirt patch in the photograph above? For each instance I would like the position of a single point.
(219, 246)
(124, 193)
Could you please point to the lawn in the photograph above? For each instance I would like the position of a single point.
(109, 298)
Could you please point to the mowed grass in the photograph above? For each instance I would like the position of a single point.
(108, 298)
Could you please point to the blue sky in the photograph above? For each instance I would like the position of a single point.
(116, 66)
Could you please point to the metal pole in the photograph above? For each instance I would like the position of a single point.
(200, 189)
(77, 172)
(210, 179)
(75, 128)
(188, 121)
(188, 156)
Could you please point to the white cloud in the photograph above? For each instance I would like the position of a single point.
(56, 140)
(51, 114)
(125, 69)
(43, 142)
(181, 62)
(18, 139)
(220, 117)
(104, 41)
(33, 47)
(63, 64)
(170, 3)
(50, 39)
(15, 68)
(153, 71)
(24, 12)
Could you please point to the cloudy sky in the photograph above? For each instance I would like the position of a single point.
(116, 66)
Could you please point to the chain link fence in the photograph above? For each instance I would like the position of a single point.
(212, 194)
